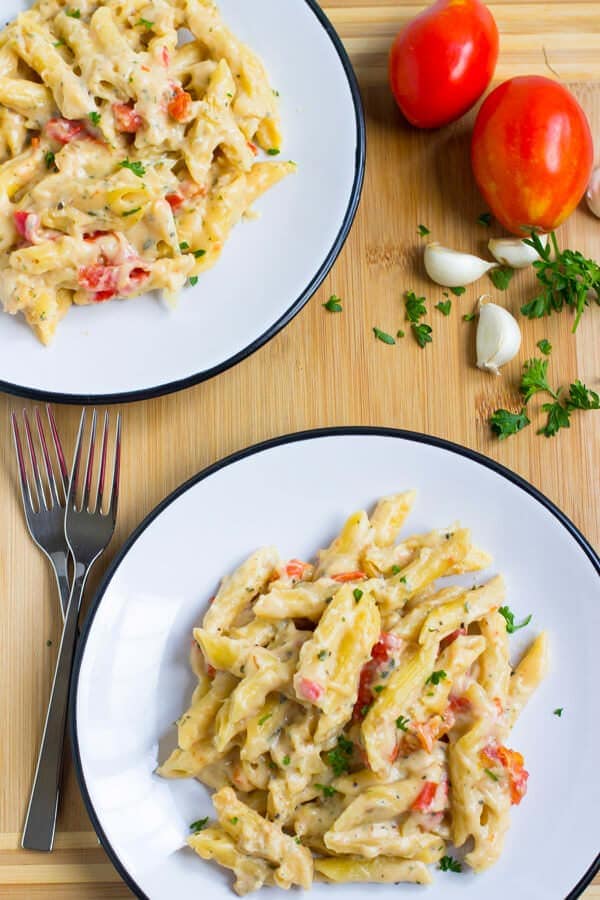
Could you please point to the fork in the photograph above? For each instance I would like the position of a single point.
(46, 524)
(88, 531)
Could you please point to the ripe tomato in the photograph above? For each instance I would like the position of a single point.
(532, 153)
(442, 61)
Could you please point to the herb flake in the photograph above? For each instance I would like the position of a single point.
(509, 617)
(383, 336)
(333, 305)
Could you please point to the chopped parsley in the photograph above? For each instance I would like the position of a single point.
(193, 279)
(48, 643)
(422, 334)
(73, 13)
(357, 594)
(365, 709)
(485, 219)
(134, 166)
(545, 347)
(396, 570)
(199, 825)
(436, 677)
(264, 718)
(334, 304)
(449, 864)
(558, 712)
(199, 253)
(328, 790)
(458, 291)
(234, 820)
(322, 654)
(59, 43)
(534, 379)
(50, 160)
(444, 307)
(402, 723)
(273, 151)
(339, 757)
(491, 774)
(184, 246)
(509, 616)
(94, 117)
(147, 24)
(286, 760)
(504, 423)
(378, 688)
(415, 307)
(131, 212)
(383, 336)
(423, 231)
(501, 277)
(468, 317)
(400, 333)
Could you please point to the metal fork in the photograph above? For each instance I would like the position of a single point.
(88, 531)
(46, 523)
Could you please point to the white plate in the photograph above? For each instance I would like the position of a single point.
(132, 678)
(270, 267)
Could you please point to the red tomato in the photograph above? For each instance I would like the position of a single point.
(64, 130)
(180, 105)
(425, 798)
(532, 153)
(127, 120)
(442, 61)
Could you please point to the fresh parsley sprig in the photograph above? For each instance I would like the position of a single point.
(415, 307)
(567, 278)
(449, 864)
(339, 758)
(509, 617)
(535, 379)
(505, 423)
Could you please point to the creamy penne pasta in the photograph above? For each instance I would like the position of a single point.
(353, 714)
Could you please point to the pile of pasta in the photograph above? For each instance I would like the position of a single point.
(352, 715)
(129, 148)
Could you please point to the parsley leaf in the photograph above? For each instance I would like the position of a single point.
(322, 654)
(264, 718)
(468, 317)
(402, 723)
(184, 246)
(273, 151)
(339, 757)
(493, 776)
(131, 212)
(415, 307)
(568, 279)
(136, 167)
(234, 820)
(73, 13)
(400, 333)
(199, 253)
(357, 594)
(458, 291)
(544, 347)
(422, 334)
(286, 759)
(334, 304)
(501, 277)
(328, 790)
(558, 417)
(436, 677)
(423, 230)
(145, 23)
(378, 688)
(449, 864)
(444, 307)
(396, 570)
(50, 160)
(534, 379)
(59, 43)
(383, 336)
(558, 712)
(581, 397)
(485, 219)
(505, 423)
(199, 825)
(509, 616)
(193, 280)
(94, 117)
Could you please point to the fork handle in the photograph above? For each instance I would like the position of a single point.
(40, 822)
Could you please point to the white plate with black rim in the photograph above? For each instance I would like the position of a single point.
(132, 680)
(270, 267)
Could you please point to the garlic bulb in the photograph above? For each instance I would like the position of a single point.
(450, 268)
(498, 337)
(593, 193)
(515, 253)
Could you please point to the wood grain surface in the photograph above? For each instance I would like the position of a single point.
(323, 369)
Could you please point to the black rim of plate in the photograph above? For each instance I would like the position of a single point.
(415, 437)
(290, 313)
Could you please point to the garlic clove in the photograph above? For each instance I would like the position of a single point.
(450, 268)
(498, 337)
(593, 193)
(515, 253)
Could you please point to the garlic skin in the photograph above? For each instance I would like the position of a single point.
(451, 269)
(498, 337)
(593, 193)
(513, 252)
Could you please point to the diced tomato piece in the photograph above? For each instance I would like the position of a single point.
(459, 704)
(425, 733)
(210, 671)
(380, 654)
(180, 105)
(165, 57)
(425, 798)
(174, 200)
(98, 278)
(498, 705)
(342, 577)
(253, 147)
(514, 764)
(296, 568)
(127, 120)
(452, 637)
(91, 236)
(26, 224)
(101, 296)
(395, 753)
(386, 643)
(64, 130)
(35, 141)
(137, 275)
(310, 690)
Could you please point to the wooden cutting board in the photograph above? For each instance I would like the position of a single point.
(335, 373)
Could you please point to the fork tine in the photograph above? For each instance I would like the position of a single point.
(76, 460)
(26, 493)
(49, 470)
(60, 456)
(90, 464)
(34, 464)
(114, 498)
(102, 473)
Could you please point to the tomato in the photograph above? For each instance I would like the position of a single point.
(180, 105)
(532, 153)
(127, 120)
(426, 796)
(64, 130)
(442, 61)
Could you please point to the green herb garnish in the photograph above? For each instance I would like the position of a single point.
(383, 336)
(402, 723)
(234, 820)
(134, 166)
(328, 790)
(94, 117)
(501, 277)
(415, 307)
(273, 151)
(357, 594)
(436, 677)
(534, 379)
(50, 159)
(400, 333)
(491, 774)
(73, 13)
(423, 231)
(322, 654)
(396, 570)
(145, 23)
(509, 617)
(449, 864)
(199, 825)
(131, 212)
(286, 760)
(334, 304)
(444, 307)
(193, 280)
(545, 347)
(422, 334)
(339, 757)
(378, 688)
(199, 253)
(458, 291)
(468, 317)
(485, 219)
(264, 718)
(558, 712)
(505, 423)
